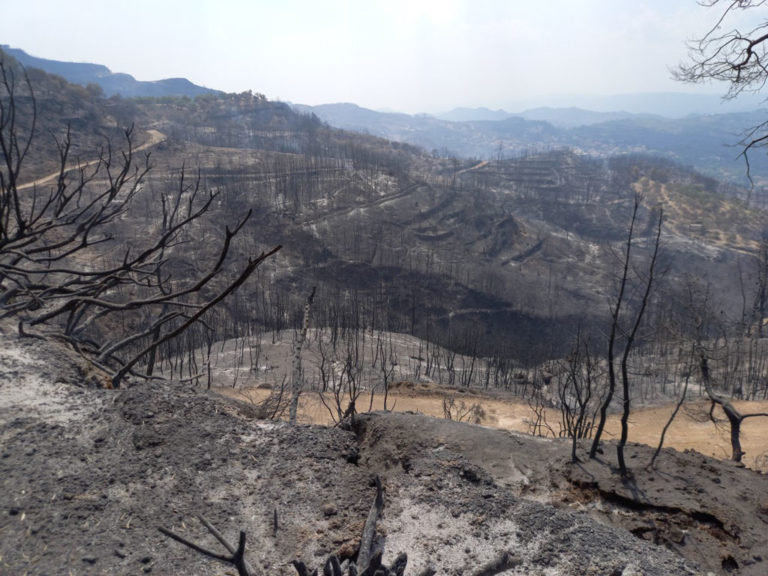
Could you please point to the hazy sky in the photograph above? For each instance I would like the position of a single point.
(405, 55)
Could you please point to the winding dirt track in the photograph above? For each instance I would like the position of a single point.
(475, 167)
(155, 138)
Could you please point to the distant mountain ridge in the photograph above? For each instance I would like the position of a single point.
(569, 117)
(473, 114)
(573, 117)
(707, 142)
(111, 83)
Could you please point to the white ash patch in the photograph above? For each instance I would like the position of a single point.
(37, 383)
(431, 536)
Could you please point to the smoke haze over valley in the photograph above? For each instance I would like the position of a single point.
(417, 57)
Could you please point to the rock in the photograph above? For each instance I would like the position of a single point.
(329, 510)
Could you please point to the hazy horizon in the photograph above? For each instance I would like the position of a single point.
(409, 56)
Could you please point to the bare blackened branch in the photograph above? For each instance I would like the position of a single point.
(237, 555)
(615, 312)
(73, 301)
(245, 274)
(738, 57)
(367, 551)
(735, 56)
(629, 342)
(57, 264)
(231, 549)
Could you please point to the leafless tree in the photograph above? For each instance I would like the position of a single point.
(735, 51)
(579, 393)
(629, 341)
(387, 358)
(760, 304)
(538, 424)
(274, 406)
(460, 411)
(712, 354)
(629, 334)
(58, 245)
(734, 415)
(297, 378)
(345, 386)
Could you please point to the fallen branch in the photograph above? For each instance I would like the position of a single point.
(237, 558)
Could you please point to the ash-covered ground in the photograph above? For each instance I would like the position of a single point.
(88, 475)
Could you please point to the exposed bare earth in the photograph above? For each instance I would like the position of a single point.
(154, 137)
(691, 429)
(413, 391)
(88, 475)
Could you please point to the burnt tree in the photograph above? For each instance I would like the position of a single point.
(62, 261)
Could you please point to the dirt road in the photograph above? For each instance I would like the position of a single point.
(155, 137)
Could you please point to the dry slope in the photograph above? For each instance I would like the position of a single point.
(88, 475)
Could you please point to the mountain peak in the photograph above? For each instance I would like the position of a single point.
(122, 84)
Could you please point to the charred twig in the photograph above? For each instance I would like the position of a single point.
(237, 557)
(366, 552)
(369, 556)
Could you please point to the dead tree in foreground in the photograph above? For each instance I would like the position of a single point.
(735, 417)
(629, 335)
(578, 393)
(61, 263)
(629, 341)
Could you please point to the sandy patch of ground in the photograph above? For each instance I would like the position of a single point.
(691, 429)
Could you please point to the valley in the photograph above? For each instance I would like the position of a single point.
(175, 270)
(707, 141)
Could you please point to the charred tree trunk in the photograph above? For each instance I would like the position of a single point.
(735, 417)
(297, 378)
(628, 347)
